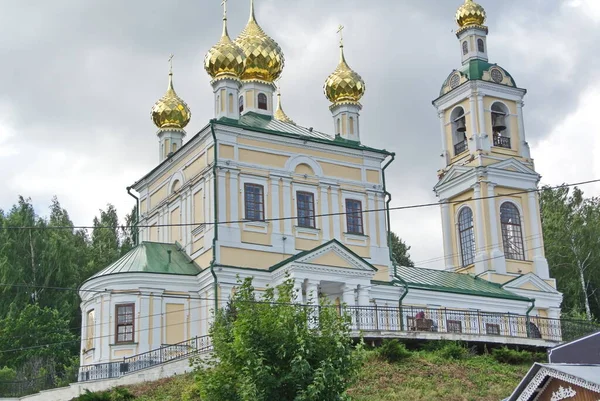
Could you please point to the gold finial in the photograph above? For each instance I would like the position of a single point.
(341, 32)
(171, 71)
(224, 4)
(279, 114)
(344, 85)
(171, 111)
(252, 16)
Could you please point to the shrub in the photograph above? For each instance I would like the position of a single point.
(121, 394)
(89, 396)
(512, 357)
(453, 351)
(393, 351)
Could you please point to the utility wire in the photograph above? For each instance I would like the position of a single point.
(407, 207)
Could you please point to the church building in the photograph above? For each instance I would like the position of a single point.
(255, 194)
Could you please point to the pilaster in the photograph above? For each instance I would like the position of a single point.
(480, 256)
(498, 261)
(447, 227)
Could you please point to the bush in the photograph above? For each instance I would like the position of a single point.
(513, 357)
(393, 351)
(89, 396)
(453, 351)
(121, 394)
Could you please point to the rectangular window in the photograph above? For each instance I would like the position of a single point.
(254, 201)
(305, 202)
(89, 330)
(125, 323)
(454, 326)
(492, 329)
(354, 220)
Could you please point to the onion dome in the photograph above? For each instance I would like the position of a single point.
(470, 14)
(225, 59)
(171, 112)
(344, 85)
(279, 114)
(264, 58)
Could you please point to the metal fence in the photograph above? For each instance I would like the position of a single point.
(478, 323)
(35, 385)
(167, 353)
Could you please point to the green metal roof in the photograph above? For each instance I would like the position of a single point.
(459, 283)
(474, 70)
(267, 124)
(153, 257)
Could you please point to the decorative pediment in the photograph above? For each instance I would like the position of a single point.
(530, 282)
(513, 165)
(453, 173)
(335, 254)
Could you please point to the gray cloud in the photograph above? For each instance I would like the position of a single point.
(80, 77)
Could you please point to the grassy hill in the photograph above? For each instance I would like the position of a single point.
(423, 375)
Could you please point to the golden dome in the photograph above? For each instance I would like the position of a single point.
(470, 14)
(225, 59)
(344, 85)
(264, 58)
(171, 111)
(279, 114)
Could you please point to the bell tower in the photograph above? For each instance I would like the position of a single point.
(487, 181)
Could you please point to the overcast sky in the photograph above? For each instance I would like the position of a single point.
(78, 80)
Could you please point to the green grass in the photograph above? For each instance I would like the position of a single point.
(425, 375)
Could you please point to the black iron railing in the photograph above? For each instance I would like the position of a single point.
(167, 353)
(502, 141)
(461, 147)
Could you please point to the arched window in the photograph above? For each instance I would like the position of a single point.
(465, 47)
(512, 234)
(466, 236)
(241, 103)
(351, 123)
(262, 101)
(230, 103)
(459, 129)
(501, 133)
(480, 46)
(338, 126)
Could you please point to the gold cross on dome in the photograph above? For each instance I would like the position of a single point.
(340, 31)
(224, 4)
(171, 63)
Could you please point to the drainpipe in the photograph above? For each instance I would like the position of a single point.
(216, 225)
(404, 294)
(137, 215)
(527, 316)
(387, 210)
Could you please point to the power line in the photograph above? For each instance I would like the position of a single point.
(407, 207)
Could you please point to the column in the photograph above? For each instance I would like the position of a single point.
(312, 299)
(195, 314)
(106, 336)
(485, 138)
(363, 295)
(234, 190)
(473, 141)
(324, 201)
(275, 196)
(143, 331)
(447, 228)
(540, 263)
(480, 262)
(445, 153)
(287, 208)
(348, 295)
(157, 320)
(298, 286)
(497, 255)
(222, 197)
(335, 208)
(524, 146)
(373, 216)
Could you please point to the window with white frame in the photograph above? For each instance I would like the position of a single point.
(512, 233)
(254, 202)
(125, 323)
(354, 219)
(305, 203)
(466, 236)
(89, 329)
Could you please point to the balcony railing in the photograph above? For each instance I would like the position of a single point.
(461, 147)
(502, 141)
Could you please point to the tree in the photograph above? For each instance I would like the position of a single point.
(276, 349)
(106, 241)
(400, 251)
(571, 226)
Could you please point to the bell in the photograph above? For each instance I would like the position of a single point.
(499, 122)
(460, 125)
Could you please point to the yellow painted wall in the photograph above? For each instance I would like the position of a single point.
(383, 273)
(306, 244)
(331, 259)
(362, 251)
(300, 150)
(195, 168)
(304, 169)
(175, 229)
(175, 319)
(123, 353)
(153, 233)
(143, 206)
(204, 260)
(337, 170)
(250, 258)
(226, 152)
(373, 176)
(158, 196)
(263, 158)
(198, 207)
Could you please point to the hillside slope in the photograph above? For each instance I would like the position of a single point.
(422, 376)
